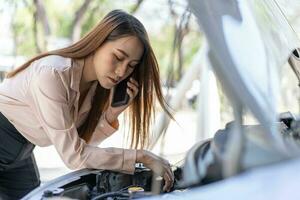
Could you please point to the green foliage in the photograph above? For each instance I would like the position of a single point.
(23, 28)
(162, 46)
(61, 14)
(60, 17)
(93, 16)
(191, 45)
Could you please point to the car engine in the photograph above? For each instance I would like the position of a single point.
(105, 184)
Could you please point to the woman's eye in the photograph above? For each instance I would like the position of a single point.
(118, 58)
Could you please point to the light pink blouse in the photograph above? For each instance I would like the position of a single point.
(42, 103)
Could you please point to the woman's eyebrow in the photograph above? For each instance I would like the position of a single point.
(125, 54)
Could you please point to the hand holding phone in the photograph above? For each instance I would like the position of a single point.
(120, 96)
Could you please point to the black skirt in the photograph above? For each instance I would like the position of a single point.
(18, 171)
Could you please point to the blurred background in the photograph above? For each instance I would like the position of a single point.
(29, 27)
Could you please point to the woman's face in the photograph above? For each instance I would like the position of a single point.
(115, 60)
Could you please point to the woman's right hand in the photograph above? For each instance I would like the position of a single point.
(158, 165)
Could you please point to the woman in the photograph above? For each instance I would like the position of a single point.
(63, 97)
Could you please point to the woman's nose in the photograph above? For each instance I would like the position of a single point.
(121, 70)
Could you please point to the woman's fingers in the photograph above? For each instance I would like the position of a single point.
(160, 166)
(134, 82)
(168, 175)
(130, 93)
(167, 167)
(168, 182)
(132, 88)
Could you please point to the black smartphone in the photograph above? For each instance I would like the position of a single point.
(120, 96)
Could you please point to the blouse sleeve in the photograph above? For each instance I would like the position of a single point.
(53, 112)
(103, 130)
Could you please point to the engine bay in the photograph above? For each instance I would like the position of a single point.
(105, 184)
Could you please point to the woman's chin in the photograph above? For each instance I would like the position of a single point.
(106, 85)
(108, 88)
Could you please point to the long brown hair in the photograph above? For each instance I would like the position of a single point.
(117, 24)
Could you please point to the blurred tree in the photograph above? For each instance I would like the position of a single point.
(76, 25)
(40, 15)
(181, 29)
(136, 6)
(41, 25)
(21, 26)
(14, 27)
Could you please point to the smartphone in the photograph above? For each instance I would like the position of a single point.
(120, 96)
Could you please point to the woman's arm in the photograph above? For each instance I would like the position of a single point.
(53, 112)
(104, 129)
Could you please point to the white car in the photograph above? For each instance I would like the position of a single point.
(248, 42)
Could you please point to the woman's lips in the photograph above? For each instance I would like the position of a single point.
(113, 80)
